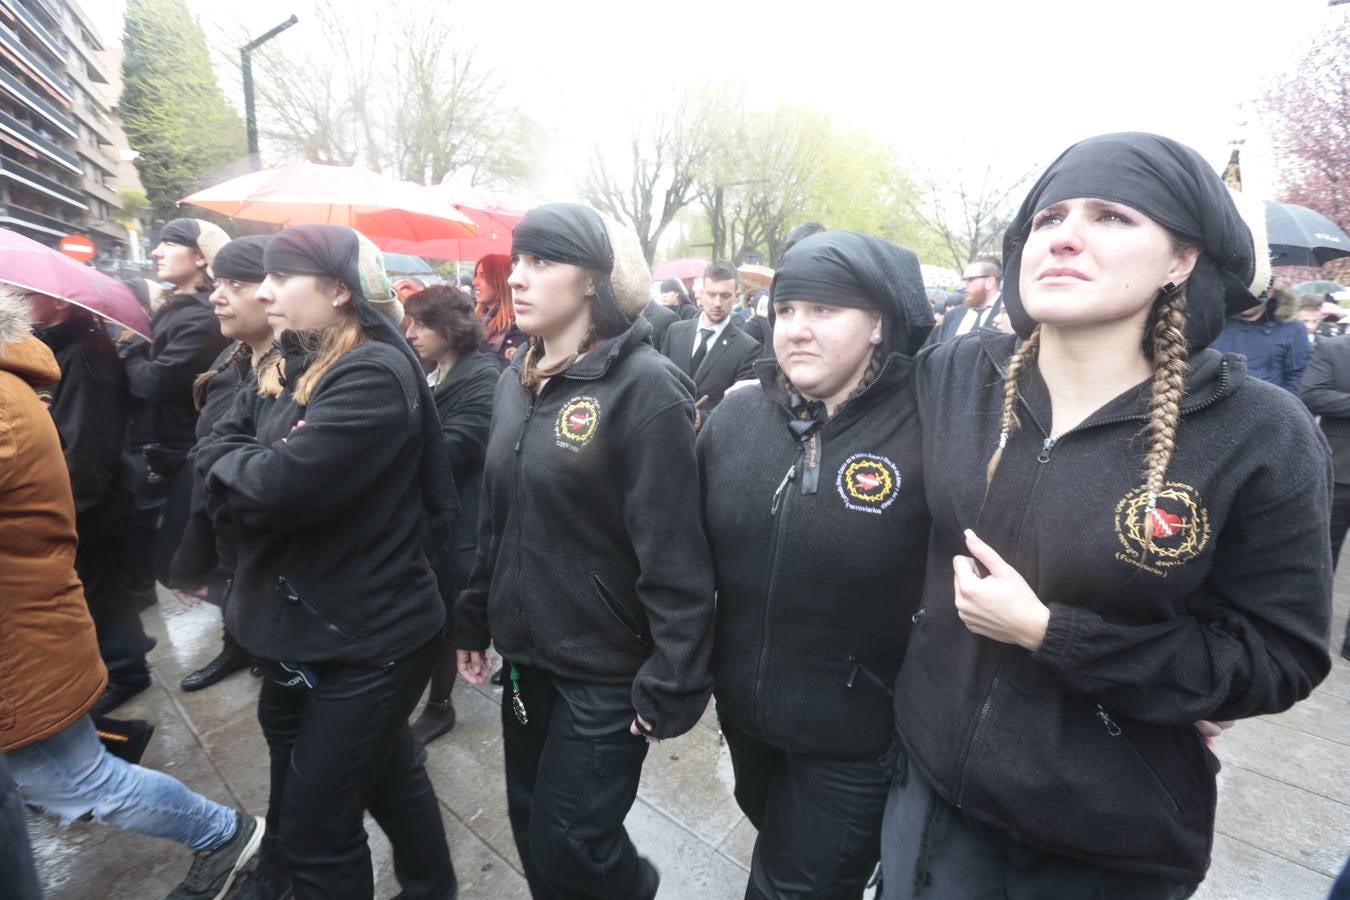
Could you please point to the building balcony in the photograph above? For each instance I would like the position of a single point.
(21, 174)
(35, 28)
(30, 220)
(100, 155)
(55, 115)
(10, 43)
(102, 192)
(45, 146)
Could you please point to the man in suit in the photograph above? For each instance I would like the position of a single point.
(660, 317)
(1326, 392)
(715, 353)
(982, 303)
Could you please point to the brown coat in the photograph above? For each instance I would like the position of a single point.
(50, 671)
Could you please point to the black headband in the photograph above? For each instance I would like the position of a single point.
(181, 231)
(1171, 184)
(242, 259)
(574, 234)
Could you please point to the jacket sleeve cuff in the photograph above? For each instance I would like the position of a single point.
(670, 712)
(470, 615)
(1057, 648)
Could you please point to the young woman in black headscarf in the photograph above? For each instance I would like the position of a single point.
(814, 503)
(592, 578)
(1129, 543)
(325, 495)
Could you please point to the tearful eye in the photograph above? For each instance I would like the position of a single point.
(1046, 218)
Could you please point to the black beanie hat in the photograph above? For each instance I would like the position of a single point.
(1173, 185)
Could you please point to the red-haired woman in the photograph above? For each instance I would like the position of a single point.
(501, 337)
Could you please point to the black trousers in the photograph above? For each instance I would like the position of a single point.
(933, 852)
(101, 563)
(572, 776)
(18, 877)
(819, 819)
(1340, 524)
(338, 749)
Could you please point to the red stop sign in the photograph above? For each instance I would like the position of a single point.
(77, 246)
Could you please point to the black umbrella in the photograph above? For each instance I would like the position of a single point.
(1299, 236)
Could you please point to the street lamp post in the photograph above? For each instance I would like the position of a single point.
(246, 63)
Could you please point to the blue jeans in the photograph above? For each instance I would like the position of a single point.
(70, 775)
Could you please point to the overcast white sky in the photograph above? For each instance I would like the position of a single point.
(954, 83)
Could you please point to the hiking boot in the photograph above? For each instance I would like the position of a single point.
(436, 719)
(213, 871)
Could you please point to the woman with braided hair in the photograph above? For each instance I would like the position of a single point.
(814, 504)
(1128, 544)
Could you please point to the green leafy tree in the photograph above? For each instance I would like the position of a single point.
(174, 113)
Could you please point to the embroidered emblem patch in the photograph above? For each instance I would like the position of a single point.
(577, 421)
(868, 482)
(1176, 533)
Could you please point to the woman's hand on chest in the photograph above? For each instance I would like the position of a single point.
(1001, 605)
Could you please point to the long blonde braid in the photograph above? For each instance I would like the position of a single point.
(1171, 365)
(1008, 422)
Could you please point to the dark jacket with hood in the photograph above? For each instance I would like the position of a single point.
(592, 562)
(161, 373)
(819, 526)
(464, 407)
(1276, 345)
(88, 406)
(327, 504)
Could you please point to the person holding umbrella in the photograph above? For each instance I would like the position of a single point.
(1129, 538)
(445, 333)
(250, 360)
(325, 495)
(814, 502)
(592, 578)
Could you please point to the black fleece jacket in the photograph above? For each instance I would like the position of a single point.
(324, 510)
(1086, 747)
(88, 407)
(161, 373)
(592, 562)
(818, 551)
(464, 407)
(196, 559)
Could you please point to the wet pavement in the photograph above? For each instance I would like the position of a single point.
(1283, 822)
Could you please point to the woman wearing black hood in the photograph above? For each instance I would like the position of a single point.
(592, 577)
(814, 503)
(324, 495)
(1129, 539)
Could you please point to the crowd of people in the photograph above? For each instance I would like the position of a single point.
(972, 585)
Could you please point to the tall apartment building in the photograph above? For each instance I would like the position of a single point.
(61, 145)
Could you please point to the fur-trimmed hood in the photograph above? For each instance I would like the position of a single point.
(1282, 305)
(20, 352)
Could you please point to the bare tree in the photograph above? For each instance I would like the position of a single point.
(969, 213)
(423, 107)
(655, 175)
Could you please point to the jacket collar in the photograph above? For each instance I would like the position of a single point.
(894, 372)
(602, 357)
(66, 333)
(471, 364)
(1214, 376)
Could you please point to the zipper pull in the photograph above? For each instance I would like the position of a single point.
(853, 675)
(782, 486)
(529, 413)
(1045, 451)
(923, 611)
(1111, 727)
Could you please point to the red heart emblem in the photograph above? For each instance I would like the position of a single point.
(868, 481)
(578, 421)
(1165, 524)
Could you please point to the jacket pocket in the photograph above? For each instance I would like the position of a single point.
(618, 611)
(287, 591)
(1158, 783)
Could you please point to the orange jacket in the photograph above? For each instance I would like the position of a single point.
(50, 670)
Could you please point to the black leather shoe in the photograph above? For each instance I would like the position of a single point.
(436, 719)
(114, 695)
(230, 660)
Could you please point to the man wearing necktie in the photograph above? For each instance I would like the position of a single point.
(981, 306)
(710, 349)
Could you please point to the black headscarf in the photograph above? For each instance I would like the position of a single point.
(336, 251)
(574, 234)
(242, 259)
(181, 231)
(844, 268)
(1171, 184)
